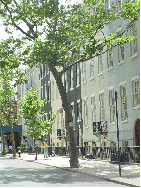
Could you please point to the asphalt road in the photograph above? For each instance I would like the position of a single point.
(20, 173)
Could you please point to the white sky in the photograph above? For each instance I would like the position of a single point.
(4, 35)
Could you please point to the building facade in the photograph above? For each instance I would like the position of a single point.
(90, 87)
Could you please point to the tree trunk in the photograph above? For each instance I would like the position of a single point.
(3, 140)
(12, 140)
(72, 143)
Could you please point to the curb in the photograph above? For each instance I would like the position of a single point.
(94, 175)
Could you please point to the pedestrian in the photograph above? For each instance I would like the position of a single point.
(46, 149)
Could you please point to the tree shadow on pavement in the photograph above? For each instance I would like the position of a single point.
(12, 171)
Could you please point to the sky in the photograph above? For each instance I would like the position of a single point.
(4, 35)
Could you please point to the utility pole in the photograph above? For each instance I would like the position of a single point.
(118, 133)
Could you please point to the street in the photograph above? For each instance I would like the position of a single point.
(21, 173)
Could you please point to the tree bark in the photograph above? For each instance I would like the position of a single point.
(12, 139)
(12, 135)
(72, 143)
(3, 140)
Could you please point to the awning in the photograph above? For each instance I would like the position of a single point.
(16, 129)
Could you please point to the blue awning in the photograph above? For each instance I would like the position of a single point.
(16, 129)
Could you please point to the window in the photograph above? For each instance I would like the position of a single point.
(71, 78)
(84, 71)
(136, 93)
(66, 82)
(85, 119)
(44, 70)
(107, 5)
(133, 43)
(48, 91)
(73, 114)
(52, 89)
(78, 111)
(41, 71)
(93, 106)
(110, 58)
(41, 93)
(92, 68)
(123, 96)
(118, 4)
(100, 64)
(39, 74)
(120, 48)
(78, 74)
(101, 101)
(112, 105)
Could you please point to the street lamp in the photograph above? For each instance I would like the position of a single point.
(118, 133)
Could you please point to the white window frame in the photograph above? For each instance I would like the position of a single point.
(102, 107)
(136, 92)
(42, 93)
(119, 4)
(110, 58)
(85, 112)
(78, 75)
(133, 43)
(66, 81)
(71, 78)
(100, 64)
(78, 111)
(41, 71)
(121, 55)
(73, 114)
(48, 91)
(123, 101)
(112, 105)
(92, 68)
(84, 72)
(93, 107)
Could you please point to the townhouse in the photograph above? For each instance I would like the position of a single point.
(90, 87)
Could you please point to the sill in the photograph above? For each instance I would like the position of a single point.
(78, 86)
(71, 89)
(101, 73)
(92, 78)
(79, 120)
(86, 127)
(125, 121)
(111, 68)
(136, 107)
(84, 82)
(121, 62)
(113, 123)
(135, 55)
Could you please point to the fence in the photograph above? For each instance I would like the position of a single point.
(127, 154)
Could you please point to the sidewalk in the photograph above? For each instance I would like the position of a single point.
(130, 174)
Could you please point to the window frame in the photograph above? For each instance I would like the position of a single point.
(110, 58)
(102, 106)
(123, 101)
(112, 105)
(133, 43)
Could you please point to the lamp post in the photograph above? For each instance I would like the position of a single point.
(118, 133)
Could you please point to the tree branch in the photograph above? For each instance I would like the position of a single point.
(19, 28)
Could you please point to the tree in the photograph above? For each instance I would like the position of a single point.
(10, 77)
(65, 36)
(31, 110)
